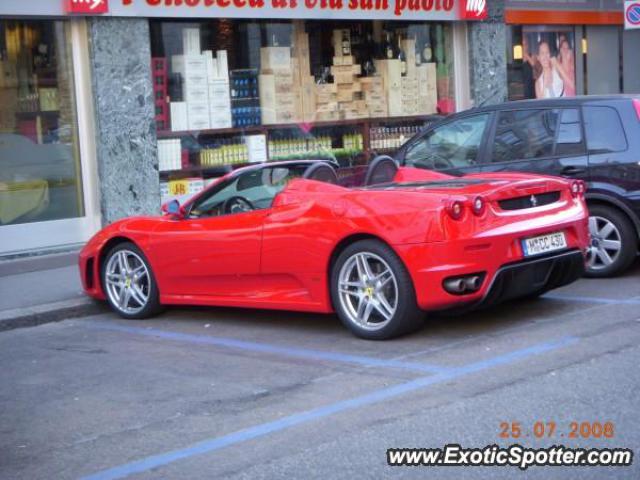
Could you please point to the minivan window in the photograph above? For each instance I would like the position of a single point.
(604, 130)
(453, 145)
(569, 141)
(524, 134)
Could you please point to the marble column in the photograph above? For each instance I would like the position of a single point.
(487, 56)
(126, 141)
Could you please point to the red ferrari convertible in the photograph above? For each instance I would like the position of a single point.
(287, 236)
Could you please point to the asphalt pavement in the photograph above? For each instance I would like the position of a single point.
(223, 393)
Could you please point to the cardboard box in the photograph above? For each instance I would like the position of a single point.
(211, 64)
(326, 88)
(196, 94)
(187, 65)
(191, 41)
(199, 121)
(342, 60)
(257, 148)
(220, 119)
(343, 77)
(274, 58)
(178, 116)
(219, 94)
(223, 64)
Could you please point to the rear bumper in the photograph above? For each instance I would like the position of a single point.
(533, 276)
(506, 272)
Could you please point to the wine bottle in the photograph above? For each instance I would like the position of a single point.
(346, 43)
(402, 57)
(427, 51)
(388, 46)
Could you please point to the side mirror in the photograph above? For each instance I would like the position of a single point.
(173, 208)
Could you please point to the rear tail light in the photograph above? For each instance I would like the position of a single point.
(577, 188)
(636, 104)
(478, 206)
(455, 209)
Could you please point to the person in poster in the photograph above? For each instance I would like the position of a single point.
(549, 83)
(548, 63)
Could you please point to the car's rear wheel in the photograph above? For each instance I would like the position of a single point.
(613, 242)
(128, 282)
(372, 292)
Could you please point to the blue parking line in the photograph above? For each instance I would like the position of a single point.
(606, 301)
(217, 443)
(274, 349)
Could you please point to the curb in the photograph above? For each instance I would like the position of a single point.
(48, 313)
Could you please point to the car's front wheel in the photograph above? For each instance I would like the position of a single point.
(613, 242)
(128, 282)
(372, 292)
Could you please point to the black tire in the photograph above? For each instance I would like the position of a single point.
(628, 239)
(407, 316)
(153, 306)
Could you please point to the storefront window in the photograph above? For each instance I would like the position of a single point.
(232, 92)
(39, 160)
(541, 62)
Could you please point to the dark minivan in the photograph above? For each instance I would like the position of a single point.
(596, 139)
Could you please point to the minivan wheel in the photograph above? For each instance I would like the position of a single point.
(372, 292)
(613, 242)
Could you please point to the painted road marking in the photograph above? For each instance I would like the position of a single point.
(280, 350)
(217, 443)
(607, 301)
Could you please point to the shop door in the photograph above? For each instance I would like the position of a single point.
(603, 60)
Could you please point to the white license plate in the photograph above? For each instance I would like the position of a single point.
(544, 244)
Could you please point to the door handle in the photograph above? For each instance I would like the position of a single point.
(570, 171)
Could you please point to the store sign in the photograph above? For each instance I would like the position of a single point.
(414, 10)
(632, 15)
(568, 5)
(86, 7)
(473, 9)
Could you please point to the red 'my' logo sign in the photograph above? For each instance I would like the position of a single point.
(473, 9)
(86, 6)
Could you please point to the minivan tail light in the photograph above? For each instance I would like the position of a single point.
(636, 104)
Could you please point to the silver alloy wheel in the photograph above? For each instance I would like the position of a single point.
(606, 243)
(368, 290)
(127, 281)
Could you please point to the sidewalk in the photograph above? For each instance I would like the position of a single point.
(36, 290)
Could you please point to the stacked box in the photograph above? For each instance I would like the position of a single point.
(205, 84)
(179, 121)
(374, 96)
(193, 69)
(326, 101)
(409, 89)
(390, 71)
(169, 154)
(160, 79)
(345, 76)
(279, 85)
(427, 89)
(305, 87)
(218, 89)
